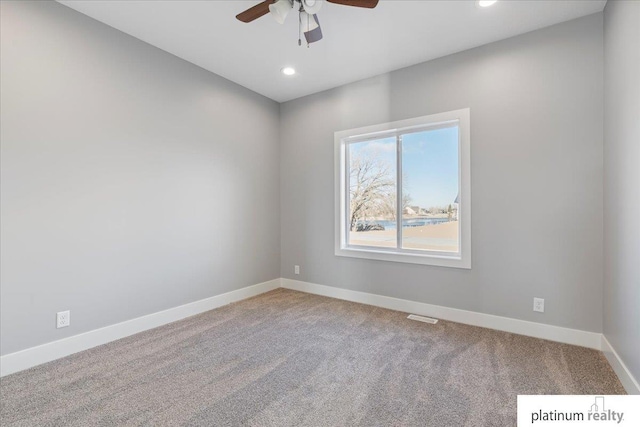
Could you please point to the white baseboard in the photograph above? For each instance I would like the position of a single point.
(33, 356)
(521, 327)
(626, 378)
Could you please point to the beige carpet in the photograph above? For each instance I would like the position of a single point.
(287, 358)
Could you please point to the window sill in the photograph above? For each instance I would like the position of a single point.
(454, 260)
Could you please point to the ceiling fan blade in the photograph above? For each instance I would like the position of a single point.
(369, 4)
(255, 12)
(315, 34)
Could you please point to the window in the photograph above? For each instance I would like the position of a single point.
(403, 191)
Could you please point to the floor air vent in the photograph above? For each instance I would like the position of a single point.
(422, 319)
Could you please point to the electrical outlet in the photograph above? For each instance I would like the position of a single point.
(63, 319)
(538, 304)
(296, 269)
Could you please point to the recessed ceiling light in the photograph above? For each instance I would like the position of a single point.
(486, 3)
(288, 71)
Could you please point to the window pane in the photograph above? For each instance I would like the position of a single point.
(372, 193)
(430, 190)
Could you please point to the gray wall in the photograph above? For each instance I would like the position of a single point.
(131, 180)
(536, 156)
(622, 180)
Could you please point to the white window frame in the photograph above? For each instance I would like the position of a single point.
(461, 259)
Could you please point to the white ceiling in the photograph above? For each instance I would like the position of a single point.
(358, 43)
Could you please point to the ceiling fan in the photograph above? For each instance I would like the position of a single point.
(307, 9)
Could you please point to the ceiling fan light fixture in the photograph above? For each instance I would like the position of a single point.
(279, 10)
(288, 71)
(311, 6)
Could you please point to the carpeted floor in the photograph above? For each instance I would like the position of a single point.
(287, 358)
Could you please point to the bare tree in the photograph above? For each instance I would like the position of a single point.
(390, 203)
(372, 184)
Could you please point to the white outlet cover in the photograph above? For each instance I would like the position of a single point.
(296, 269)
(63, 319)
(538, 305)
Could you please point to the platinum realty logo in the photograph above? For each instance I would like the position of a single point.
(541, 410)
(597, 412)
